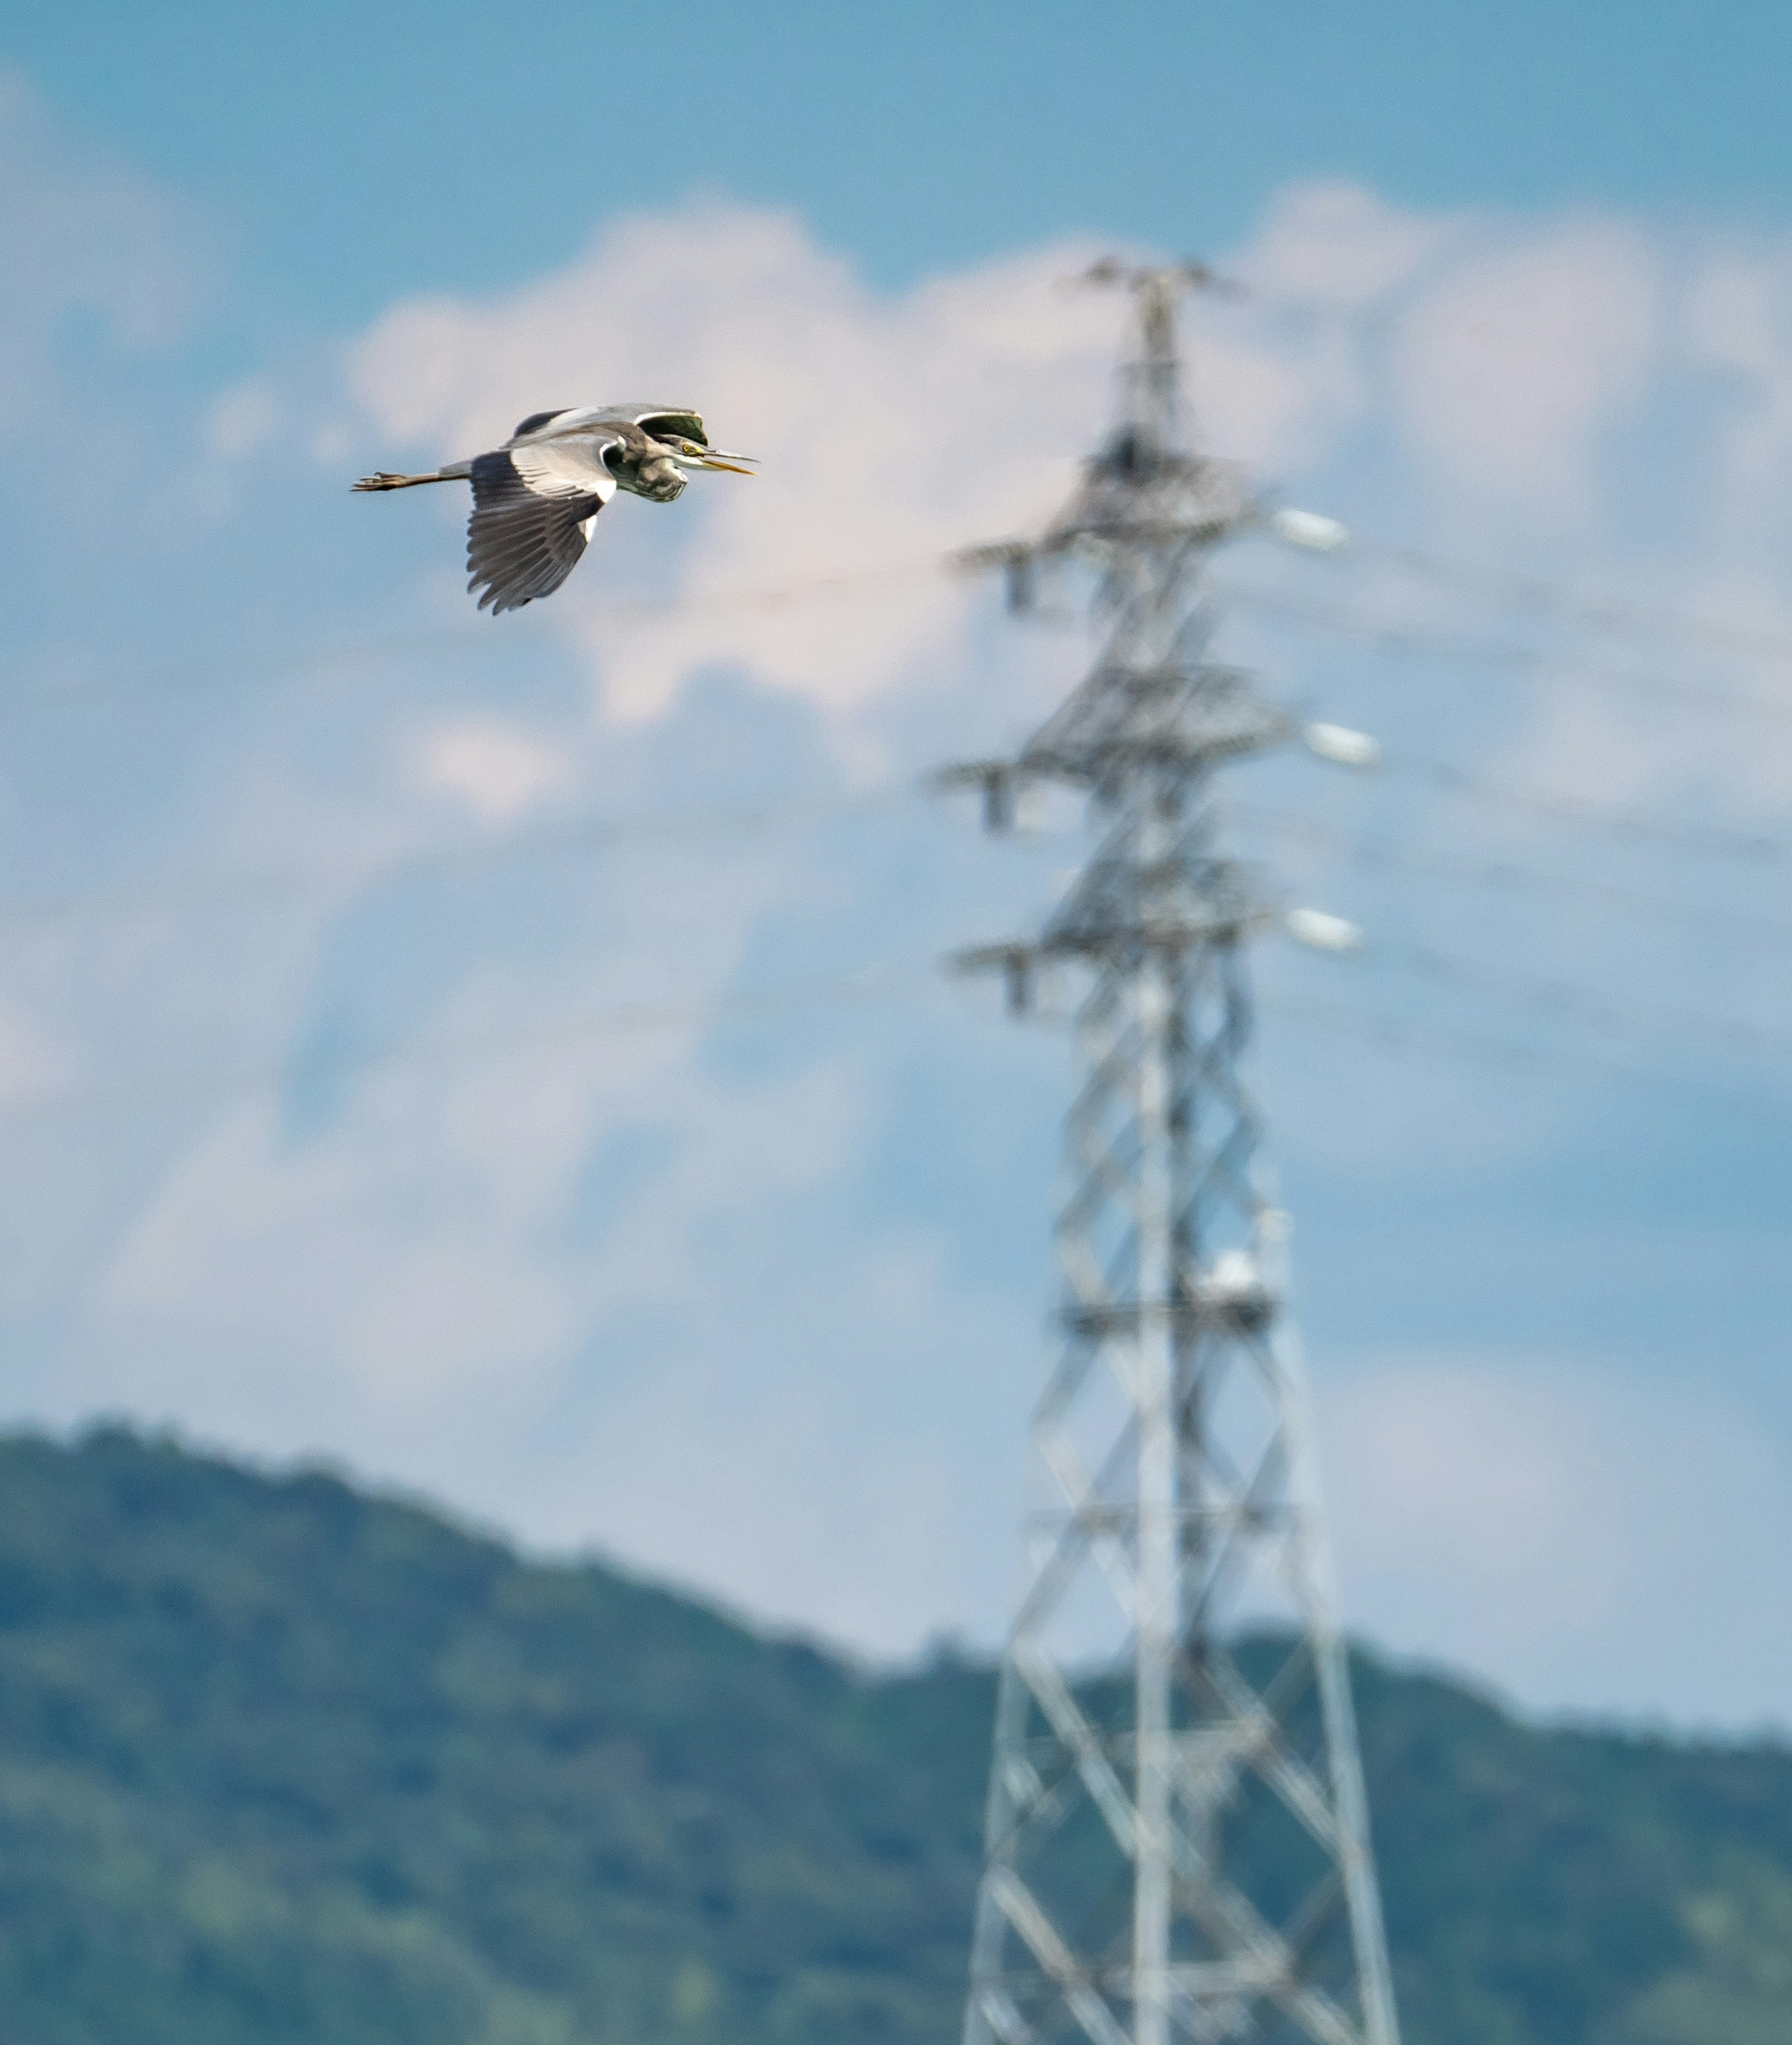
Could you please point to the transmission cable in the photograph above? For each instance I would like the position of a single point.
(1401, 1034)
(1379, 854)
(880, 982)
(1398, 635)
(581, 834)
(1605, 613)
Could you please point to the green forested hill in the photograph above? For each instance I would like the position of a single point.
(280, 1762)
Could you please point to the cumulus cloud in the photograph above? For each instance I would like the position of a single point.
(1511, 365)
(498, 771)
(1335, 245)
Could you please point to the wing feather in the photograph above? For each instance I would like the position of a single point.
(532, 507)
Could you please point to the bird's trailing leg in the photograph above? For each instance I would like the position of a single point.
(456, 471)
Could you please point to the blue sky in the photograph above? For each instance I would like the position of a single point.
(349, 154)
(333, 1125)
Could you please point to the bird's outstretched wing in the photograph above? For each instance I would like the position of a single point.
(532, 510)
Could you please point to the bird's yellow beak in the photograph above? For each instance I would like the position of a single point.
(733, 468)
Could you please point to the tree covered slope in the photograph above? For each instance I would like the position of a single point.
(284, 1764)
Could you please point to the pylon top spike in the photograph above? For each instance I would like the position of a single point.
(1167, 279)
(1151, 381)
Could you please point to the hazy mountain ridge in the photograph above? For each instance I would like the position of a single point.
(283, 1761)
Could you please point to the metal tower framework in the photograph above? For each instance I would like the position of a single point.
(1177, 1841)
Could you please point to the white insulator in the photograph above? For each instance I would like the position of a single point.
(1233, 1274)
(1324, 932)
(1338, 743)
(1311, 529)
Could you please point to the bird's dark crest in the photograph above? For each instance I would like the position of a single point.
(689, 423)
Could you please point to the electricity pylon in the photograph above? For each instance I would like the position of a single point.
(1177, 1841)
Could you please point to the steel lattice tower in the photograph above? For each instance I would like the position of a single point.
(1177, 1841)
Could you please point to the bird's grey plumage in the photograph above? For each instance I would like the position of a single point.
(536, 498)
(534, 504)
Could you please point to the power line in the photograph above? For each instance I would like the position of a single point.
(583, 834)
(589, 833)
(1398, 635)
(872, 983)
(1605, 613)
(1709, 839)
(1402, 1033)
(260, 665)
(1509, 874)
(885, 982)
(953, 561)
(1548, 995)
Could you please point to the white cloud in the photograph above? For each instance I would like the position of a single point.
(1334, 245)
(1510, 364)
(498, 771)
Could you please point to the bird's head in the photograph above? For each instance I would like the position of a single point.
(693, 454)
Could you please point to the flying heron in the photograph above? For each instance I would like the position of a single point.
(536, 498)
